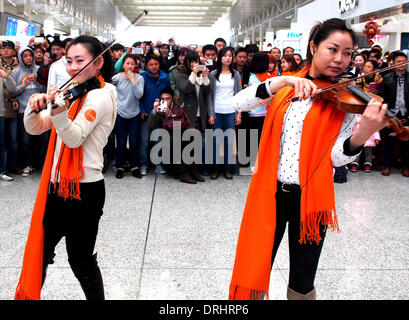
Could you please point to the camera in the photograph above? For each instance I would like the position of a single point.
(137, 51)
(162, 106)
(202, 67)
(209, 62)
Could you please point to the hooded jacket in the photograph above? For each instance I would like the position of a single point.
(23, 94)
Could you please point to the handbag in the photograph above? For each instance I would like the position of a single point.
(176, 115)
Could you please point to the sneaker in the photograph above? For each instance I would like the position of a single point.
(5, 176)
(159, 169)
(354, 166)
(367, 166)
(143, 170)
(27, 171)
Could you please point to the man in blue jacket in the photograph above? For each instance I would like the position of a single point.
(155, 81)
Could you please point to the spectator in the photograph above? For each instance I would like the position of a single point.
(395, 91)
(210, 56)
(370, 83)
(220, 43)
(251, 50)
(25, 77)
(367, 155)
(8, 62)
(155, 80)
(117, 50)
(194, 87)
(358, 64)
(167, 61)
(272, 65)
(225, 83)
(288, 65)
(57, 75)
(240, 64)
(288, 50)
(277, 55)
(129, 87)
(199, 51)
(259, 73)
(297, 58)
(6, 81)
(182, 52)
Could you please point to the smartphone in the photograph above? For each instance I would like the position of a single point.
(137, 51)
(209, 62)
(38, 40)
(202, 67)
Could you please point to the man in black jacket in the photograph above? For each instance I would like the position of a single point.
(395, 91)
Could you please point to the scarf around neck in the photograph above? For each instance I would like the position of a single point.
(69, 171)
(252, 267)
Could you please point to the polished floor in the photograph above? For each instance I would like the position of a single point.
(161, 239)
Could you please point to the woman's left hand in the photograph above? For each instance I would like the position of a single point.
(206, 72)
(372, 120)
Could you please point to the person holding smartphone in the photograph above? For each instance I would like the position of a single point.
(129, 87)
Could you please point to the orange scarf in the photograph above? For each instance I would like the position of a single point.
(252, 267)
(70, 172)
(263, 76)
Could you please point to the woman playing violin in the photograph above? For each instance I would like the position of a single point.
(71, 195)
(300, 144)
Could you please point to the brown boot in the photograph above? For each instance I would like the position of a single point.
(405, 171)
(293, 295)
(386, 171)
(184, 175)
(194, 173)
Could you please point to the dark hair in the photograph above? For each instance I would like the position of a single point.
(321, 32)
(134, 57)
(183, 51)
(288, 48)
(209, 47)
(377, 54)
(260, 62)
(290, 58)
(164, 45)
(137, 43)
(297, 54)
(118, 46)
(240, 49)
(361, 55)
(374, 64)
(154, 57)
(396, 54)
(252, 48)
(220, 39)
(58, 43)
(189, 58)
(220, 54)
(275, 48)
(95, 47)
(39, 46)
(167, 90)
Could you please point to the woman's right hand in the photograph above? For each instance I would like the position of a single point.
(211, 120)
(196, 68)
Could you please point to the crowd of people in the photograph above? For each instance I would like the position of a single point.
(152, 78)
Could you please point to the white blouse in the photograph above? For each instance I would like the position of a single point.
(288, 170)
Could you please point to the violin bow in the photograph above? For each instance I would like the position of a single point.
(355, 78)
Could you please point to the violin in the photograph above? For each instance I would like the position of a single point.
(352, 99)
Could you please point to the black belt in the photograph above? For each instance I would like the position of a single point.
(287, 187)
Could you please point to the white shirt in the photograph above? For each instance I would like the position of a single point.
(224, 94)
(89, 132)
(288, 164)
(58, 74)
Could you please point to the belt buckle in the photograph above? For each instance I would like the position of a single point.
(284, 184)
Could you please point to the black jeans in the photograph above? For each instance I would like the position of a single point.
(303, 257)
(78, 221)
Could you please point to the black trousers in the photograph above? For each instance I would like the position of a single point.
(78, 221)
(303, 257)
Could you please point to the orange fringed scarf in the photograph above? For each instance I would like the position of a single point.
(70, 172)
(252, 267)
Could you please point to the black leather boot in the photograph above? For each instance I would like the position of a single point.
(88, 274)
(46, 261)
(184, 175)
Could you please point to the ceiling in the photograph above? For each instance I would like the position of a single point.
(175, 13)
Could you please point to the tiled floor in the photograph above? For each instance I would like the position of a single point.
(161, 239)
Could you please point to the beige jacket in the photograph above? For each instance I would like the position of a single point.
(90, 129)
